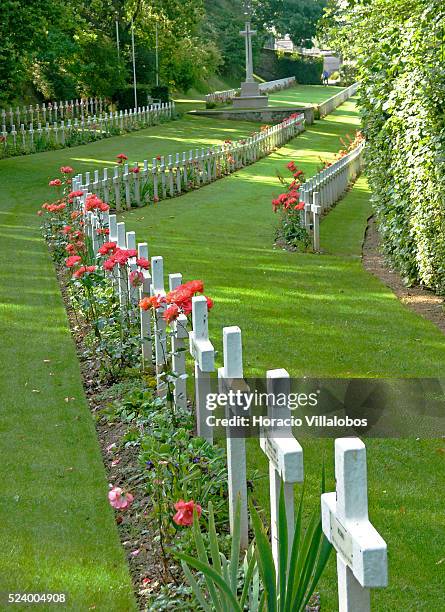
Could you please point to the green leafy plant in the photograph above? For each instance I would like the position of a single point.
(291, 588)
(221, 575)
(288, 590)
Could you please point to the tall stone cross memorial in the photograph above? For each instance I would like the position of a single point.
(361, 552)
(250, 96)
(285, 457)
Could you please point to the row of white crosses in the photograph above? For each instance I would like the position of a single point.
(172, 175)
(327, 187)
(153, 328)
(361, 551)
(52, 111)
(331, 104)
(87, 129)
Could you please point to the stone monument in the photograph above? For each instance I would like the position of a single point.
(250, 96)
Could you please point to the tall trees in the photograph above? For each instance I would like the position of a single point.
(298, 18)
(64, 49)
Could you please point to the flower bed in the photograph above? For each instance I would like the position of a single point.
(167, 485)
(294, 205)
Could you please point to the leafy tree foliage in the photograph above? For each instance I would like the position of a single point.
(399, 47)
(66, 49)
(298, 18)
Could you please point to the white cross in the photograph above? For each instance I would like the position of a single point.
(157, 289)
(145, 315)
(236, 446)
(361, 552)
(285, 457)
(203, 353)
(179, 328)
(248, 33)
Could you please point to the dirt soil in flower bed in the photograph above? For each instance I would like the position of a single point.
(423, 301)
(142, 552)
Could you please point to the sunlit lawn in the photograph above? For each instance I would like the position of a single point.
(303, 95)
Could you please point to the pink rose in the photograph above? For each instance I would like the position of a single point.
(118, 499)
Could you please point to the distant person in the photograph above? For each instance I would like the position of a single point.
(325, 77)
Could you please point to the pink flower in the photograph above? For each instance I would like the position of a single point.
(118, 499)
(136, 278)
(72, 261)
(83, 270)
(121, 157)
(135, 170)
(209, 302)
(66, 170)
(107, 247)
(143, 263)
(184, 514)
(55, 183)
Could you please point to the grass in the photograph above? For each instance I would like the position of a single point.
(320, 315)
(303, 95)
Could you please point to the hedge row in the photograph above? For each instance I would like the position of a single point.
(274, 66)
(400, 47)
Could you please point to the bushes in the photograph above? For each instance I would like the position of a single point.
(274, 66)
(401, 96)
(160, 92)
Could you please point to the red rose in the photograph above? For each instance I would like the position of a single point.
(143, 263)
(171, 313)
(72, 261)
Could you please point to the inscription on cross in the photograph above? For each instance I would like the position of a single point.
(361, 551)
(285, 456)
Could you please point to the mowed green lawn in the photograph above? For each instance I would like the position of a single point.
(310, 314)
(303, 95)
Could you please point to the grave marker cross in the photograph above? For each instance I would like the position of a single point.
(361, 551)
(285, 456)
(203, 353)
(231, 376)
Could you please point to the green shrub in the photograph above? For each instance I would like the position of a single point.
(402, 94)
(306, 70)
(124, 98)
(160, 92)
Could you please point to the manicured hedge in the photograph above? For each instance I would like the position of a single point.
(274, 66)
(124, 98)
(403, 110)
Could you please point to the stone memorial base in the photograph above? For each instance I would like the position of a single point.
(250, 102)
(250, 96)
